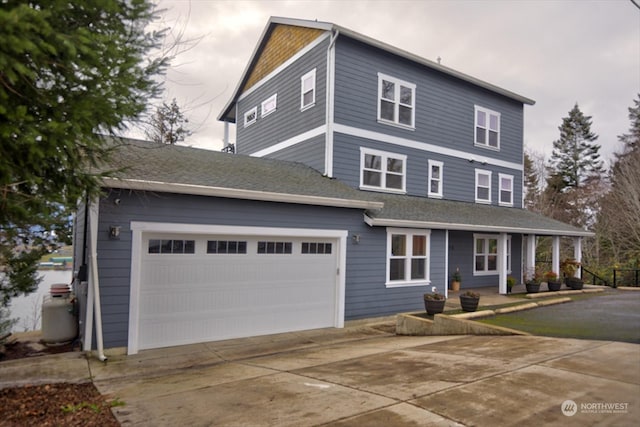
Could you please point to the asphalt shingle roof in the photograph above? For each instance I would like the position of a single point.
(171, 168)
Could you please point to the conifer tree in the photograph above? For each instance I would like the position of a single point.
(168, 124)
(575, 157)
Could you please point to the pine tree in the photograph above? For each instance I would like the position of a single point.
(575, 157)
(631, 140)
(168, 124)
(68, 71)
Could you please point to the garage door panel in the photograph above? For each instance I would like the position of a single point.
(188, 298)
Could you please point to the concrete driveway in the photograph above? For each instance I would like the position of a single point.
(361, 376)
(366, 376)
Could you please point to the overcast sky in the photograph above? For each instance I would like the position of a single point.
(555, 52)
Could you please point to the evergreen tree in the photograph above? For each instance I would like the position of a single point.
(531, 184)
(68, 71)
(631, 140)
(575, 157)
(168, 124)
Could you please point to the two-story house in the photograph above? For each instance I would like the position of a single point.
(363, 177)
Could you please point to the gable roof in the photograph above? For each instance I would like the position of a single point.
(228, 113)
(421, 212)
(149, 166)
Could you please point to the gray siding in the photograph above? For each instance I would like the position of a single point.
(287, 121)
(461, 256)
(310, 152)
(366, 294)
(444, 117)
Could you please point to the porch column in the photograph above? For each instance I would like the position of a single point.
(530, 261)
(555, 257)
(577, 254)
(502, 263)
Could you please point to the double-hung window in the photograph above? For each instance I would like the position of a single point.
(435, 179)
(407, 257)
(486, 254)
(250, 116)
(483, 186)
(382, 171)
(506, 189)
(308, 90)
(396, 101)
(487, 130)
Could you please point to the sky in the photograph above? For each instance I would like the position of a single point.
(557, 53)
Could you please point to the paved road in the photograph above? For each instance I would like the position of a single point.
(613, 316)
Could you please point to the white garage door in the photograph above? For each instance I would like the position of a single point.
(207, 288)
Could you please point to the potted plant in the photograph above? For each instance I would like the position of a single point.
(551, 277)
(456, 279)
(511, 282)
(469, 300)
(532, 282)
(434, 302)
(569, 267)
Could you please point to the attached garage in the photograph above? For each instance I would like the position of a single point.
(196, 283)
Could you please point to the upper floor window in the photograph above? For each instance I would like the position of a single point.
(435, 178)
(396, 101)
(382, 170)
(483, 186)
(268, 106)
(407, 257)
(487, 133)
(506, 189)
(308, 90)
(250, 116)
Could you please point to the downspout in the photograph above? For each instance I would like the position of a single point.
(95, 285)
(328, 144)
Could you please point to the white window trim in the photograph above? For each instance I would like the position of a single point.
(488, 113)
(491, 272)
(312, 75)
(475, 189)
(409, 232)
(253, 111)
(273, 98)
(385, 155)
(502, 176)
(440, 165)
(397, 82)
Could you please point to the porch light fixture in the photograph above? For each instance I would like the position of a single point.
(114, 232)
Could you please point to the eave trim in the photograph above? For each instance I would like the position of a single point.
(234, 193)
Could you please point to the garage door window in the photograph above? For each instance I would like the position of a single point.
(172, 246)
(274, 247)
(316, 248)
(226, 247)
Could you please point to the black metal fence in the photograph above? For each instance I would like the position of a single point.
(626, 277)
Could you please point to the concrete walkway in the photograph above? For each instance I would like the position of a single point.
(361, 375)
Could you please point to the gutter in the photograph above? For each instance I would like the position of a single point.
(234, 193)
(382, 222)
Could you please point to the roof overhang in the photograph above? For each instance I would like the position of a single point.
(383, 222)
(234, 193)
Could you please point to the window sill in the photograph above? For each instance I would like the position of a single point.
(487, 147)
(396, 125)
(506, 205)
(485, 273)
(483, 202)
(306, 107)
(399, 284)
(435, 196)
(382, 190)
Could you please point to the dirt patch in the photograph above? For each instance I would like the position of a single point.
(55, 405)
(20, 349)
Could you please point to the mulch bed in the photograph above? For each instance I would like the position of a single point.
(61, 404)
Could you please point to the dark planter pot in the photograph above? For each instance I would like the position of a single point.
(574, 283)
(532, 288)
(434, 306)
(509, 289)
(469, 303)
(554, 286)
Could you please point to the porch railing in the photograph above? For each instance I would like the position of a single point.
(626, 277)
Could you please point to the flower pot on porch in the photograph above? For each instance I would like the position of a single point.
(469, 301)
(554, 285)
(532, 287)
(574, 283)
(455, 285)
